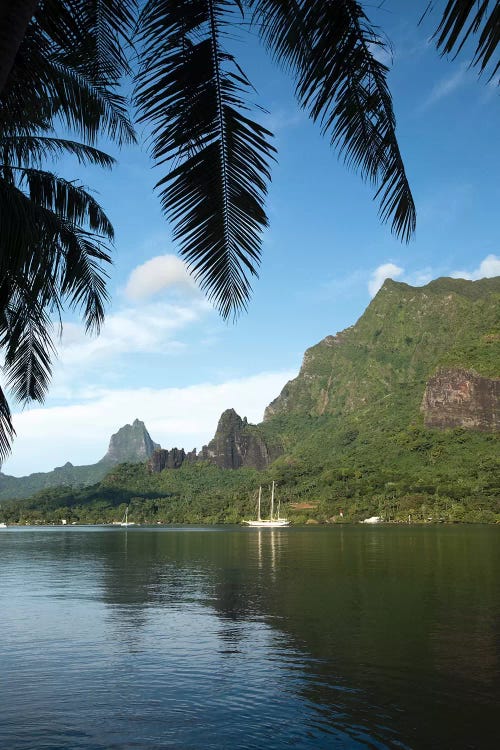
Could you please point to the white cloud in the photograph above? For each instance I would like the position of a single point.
(489, 266)
(446, 86)
(280, 120)
(148, 329)
(420, 277)
(175, 417)
(380, 274)
(156, 275)
(383, 53)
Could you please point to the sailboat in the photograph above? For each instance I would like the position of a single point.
(271, 522)
(125, 521)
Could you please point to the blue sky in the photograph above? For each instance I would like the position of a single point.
(166, 357)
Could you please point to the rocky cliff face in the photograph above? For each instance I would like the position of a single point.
(236, 444)
(455, 397)
(169, 459)
(131, 444)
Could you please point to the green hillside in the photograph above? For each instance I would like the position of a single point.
(61, 476)
(351, 426)
(381, 364)
(132, 443)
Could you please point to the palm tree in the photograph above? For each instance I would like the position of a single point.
(195, 98)
(54, 236)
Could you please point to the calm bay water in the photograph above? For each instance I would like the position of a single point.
(194, 638)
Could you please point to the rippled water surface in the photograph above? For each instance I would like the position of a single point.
(188, 638)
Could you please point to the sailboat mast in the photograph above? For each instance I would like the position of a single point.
(272, 501)
(258, 505)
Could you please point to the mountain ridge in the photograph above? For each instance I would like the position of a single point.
(402, 337)
(372, 390)
(131, 443)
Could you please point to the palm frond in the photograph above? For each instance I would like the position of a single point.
(69, 61)
(65, 199)
(84, 280)
(34, 150)
(73, 270)
(7, 431)
(192, 93)
(18, 227)
(462, 19)
(333, 51)
(60, 259)
(87, 108)
(91, 34)
(86, 102)
(28, 347)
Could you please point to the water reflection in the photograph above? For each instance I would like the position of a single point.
(289, 637)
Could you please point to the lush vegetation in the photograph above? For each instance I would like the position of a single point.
(132, 443)
(358, 471)
(62, 476)
(351, 428)
(381, 364)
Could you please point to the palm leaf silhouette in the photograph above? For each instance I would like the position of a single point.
(333, 52)
(194, 95)
(463, 19)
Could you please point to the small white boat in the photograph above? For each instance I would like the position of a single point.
(271, 522)
(125, 521)
(3, 525)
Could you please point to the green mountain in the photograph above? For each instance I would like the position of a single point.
(132, 444)
(395, 416)
(382, 363)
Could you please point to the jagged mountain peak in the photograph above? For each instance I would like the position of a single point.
(131, 443)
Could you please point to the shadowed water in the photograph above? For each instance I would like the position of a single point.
(352, 637)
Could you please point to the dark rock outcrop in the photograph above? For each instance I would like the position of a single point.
(456, 397)
(236, 444)
(169, 459)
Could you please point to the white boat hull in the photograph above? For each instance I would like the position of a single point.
(275, 524)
